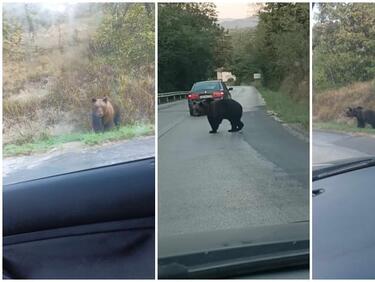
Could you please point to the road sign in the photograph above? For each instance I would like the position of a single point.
(257, 76)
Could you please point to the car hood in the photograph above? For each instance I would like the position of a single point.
(344, 226)
(234, 253)
(340, 162)
(327, 169)
(207, 241)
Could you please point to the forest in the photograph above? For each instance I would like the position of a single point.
(343, 44)
(278, 49)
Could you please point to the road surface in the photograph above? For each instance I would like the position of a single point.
(75, 157)
(258, 176)
(330, 146)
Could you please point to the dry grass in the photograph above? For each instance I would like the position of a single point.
(330, 105)
(47, 91)
(45, 143)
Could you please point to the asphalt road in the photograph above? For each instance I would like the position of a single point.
(330, 146)
(74, 157)
(258, 176)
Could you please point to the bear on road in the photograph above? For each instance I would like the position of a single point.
(104, 115)
(363, 116)
(218, 110)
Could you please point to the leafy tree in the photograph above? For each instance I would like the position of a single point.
(190, 44)
(343, 44)
(125, 38)
(243, 63)
(283, 42)
(278, 47)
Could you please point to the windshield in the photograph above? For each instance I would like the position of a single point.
(78, 86)
(246, 163)
(212, 85)
(343, 142)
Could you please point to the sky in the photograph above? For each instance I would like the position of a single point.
(315, 13)
(234, 10)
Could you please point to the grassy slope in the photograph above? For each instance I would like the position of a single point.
(287, 109)
(88, 138)
(329, 107)
(53, 78)
(342, 127)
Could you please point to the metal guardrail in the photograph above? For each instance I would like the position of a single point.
(171, 96)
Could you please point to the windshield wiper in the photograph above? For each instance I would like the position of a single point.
(342, 168)
(232, 262)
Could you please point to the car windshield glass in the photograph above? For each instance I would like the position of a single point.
(78, 88)
(239, 159)
(210, 85)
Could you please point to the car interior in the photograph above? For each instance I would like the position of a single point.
(95, 223)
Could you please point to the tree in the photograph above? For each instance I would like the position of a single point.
(344, 44)
(190, 44)
(243, 63)
(125, 38)
(278, 47)
(283, 42)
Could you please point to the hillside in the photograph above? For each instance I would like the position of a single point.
(56, 58)
(249, 22)
(329, 106)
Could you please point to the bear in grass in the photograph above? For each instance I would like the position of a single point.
(104, 115)
(218, 110)
(362, 116)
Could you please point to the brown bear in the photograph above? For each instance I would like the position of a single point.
(363, 116)
(223, 109)
(104, 115)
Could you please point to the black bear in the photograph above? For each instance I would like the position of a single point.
(218, 110)
(104, 115)
(363, 116)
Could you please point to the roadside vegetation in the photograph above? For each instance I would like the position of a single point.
(286, 108)
(342, 127)
(343, 64)
(86, 138)
(55, 61)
